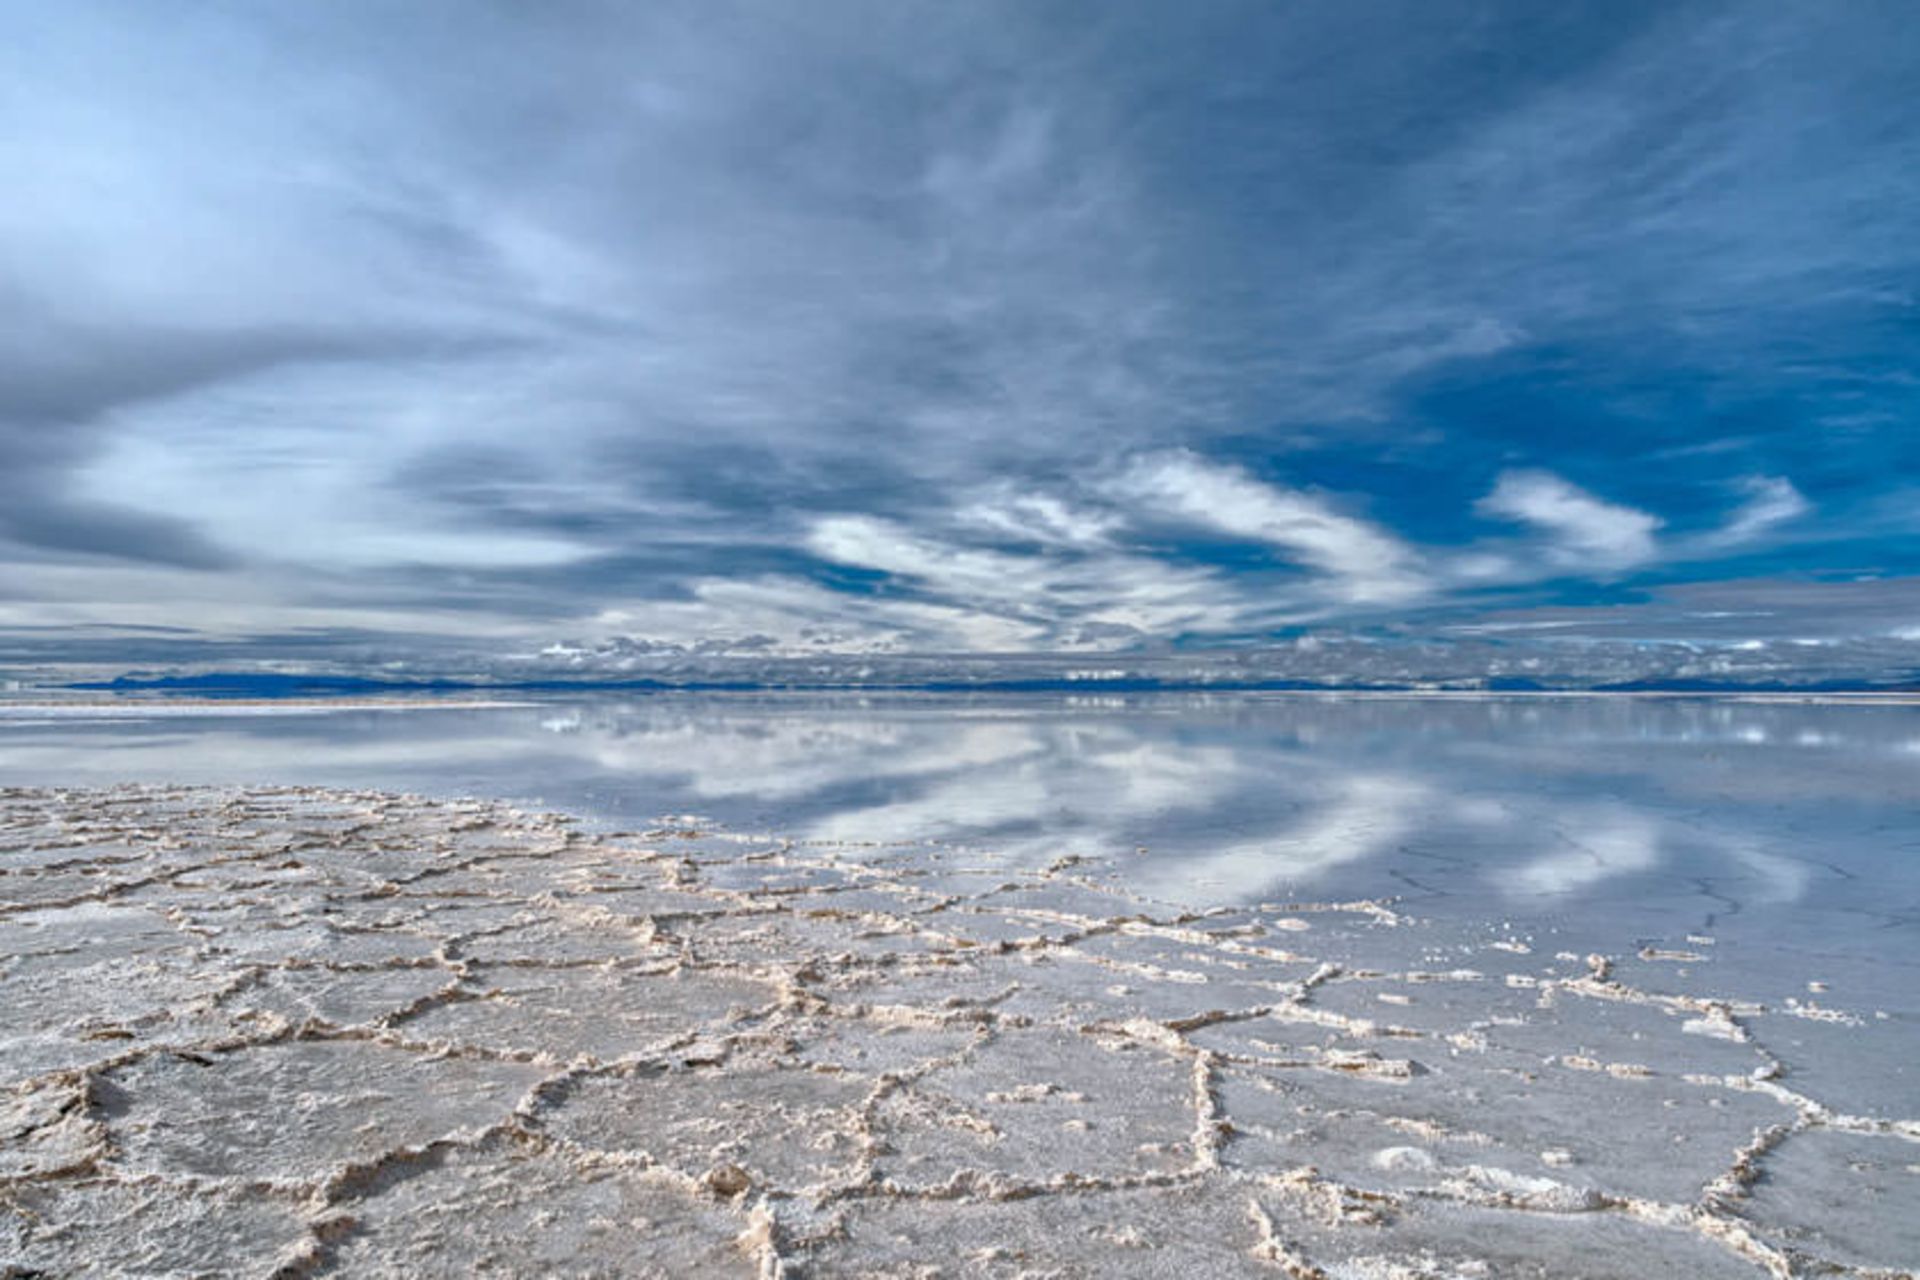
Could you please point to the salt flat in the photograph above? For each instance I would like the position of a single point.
(298, 1031)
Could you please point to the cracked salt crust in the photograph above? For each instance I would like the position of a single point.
(299, 1032)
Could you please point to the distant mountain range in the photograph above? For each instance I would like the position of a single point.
(274, 684)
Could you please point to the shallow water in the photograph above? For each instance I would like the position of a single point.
(1796, 825)
(1334, 987)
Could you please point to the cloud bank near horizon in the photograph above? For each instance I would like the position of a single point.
(864, 326)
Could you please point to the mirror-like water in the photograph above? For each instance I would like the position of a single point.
(1796, 823)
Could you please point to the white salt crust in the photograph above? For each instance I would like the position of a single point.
(298, 1032)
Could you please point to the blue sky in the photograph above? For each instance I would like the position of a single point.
(956, 327)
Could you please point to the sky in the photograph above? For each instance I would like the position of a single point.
(891, 326)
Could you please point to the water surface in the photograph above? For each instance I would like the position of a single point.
(1792, 824)
(1645, 969)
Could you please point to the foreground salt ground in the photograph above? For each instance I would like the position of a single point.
(299, 1032)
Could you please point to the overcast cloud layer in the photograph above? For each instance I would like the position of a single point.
(965, 326)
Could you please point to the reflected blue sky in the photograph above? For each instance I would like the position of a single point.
(1662, 815)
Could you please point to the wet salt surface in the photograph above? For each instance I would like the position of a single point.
(1781, 824)
(304, 1031)
(1715, 853)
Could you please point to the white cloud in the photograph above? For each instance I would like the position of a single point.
(1052, 589)
(1037, 517)
(1081, 575)
(663, 347)
(1364, 564)
(1773, 501)
(1587, 533)
(315, 488)
(802, 615)
(234, 603)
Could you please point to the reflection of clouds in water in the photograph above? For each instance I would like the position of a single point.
(1031, 791)
(1600, 846)
(263, 752)
(1231, 798)
(791, 759)
(1614, 843)
(1367, 815)
(1086, 794)
(1234, 820)
(1783, 879)
(1480, 811)
(956, 809)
